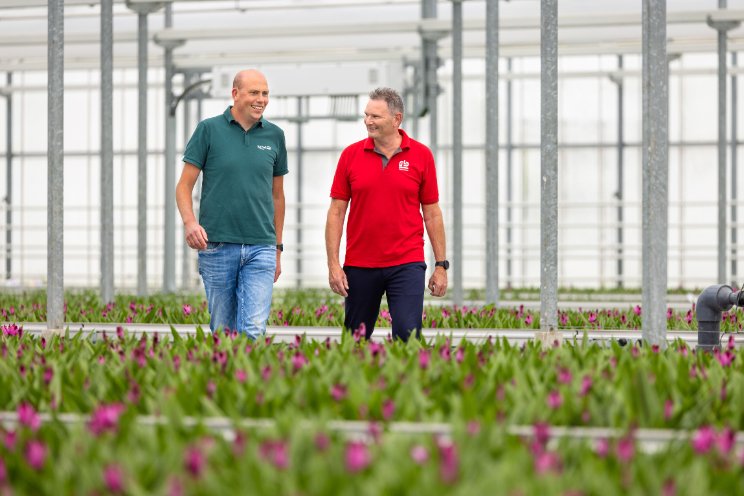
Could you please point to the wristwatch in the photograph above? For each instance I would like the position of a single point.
(280, 247)
(444, 264)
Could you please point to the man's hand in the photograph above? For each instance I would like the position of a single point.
(278, 270)
(337, 281)
(196, 236)
(438, 282)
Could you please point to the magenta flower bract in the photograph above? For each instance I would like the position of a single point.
(547, 461)
(10, 440)
(241, 375)
(357, 456)
(27, 416)
(602, 447)
(625, 449)
(187, 310)
(113, 478)
(668, 409)
(586, 385)
(105, 418)
(703, 439)
(424, 358)
(194, 462)
(564, 375)
(36, 454)
(449, 461)
(555, 400)
(298, 361)
(322, 441)
(419, 454)
(12, 330)
(388, 409)
(726, 440)
(338, 392)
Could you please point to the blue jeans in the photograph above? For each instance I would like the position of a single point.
(238, 280)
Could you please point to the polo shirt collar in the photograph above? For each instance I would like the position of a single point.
(230, 119)
(405, 143)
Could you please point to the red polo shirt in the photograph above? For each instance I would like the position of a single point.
(385, 226)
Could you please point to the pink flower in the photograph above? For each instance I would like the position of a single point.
(36, 453)
(541, 430)
(276, 452)
(637, 310)
(27, 416)
(724, 358)
(241, 375)
(688, 317)
(564, 376)
(668, 409)
(703, 440)
(473, 427)
(547, 461)
(528, 320)
(338, 392)
(357, 457)
(419, 454)
(114, 479)
(625, 448)
(187, 310)
(105, 418)
(298, 361)
(460, 355)
(726, 440)
(563, 318)
(592, 317)
(12, 330)
(322, 441)
(449, 461)
(194, 462)
(10, 440)
(586, 385)
(266, 373)
(424, 359)
(388, 409)
(602, 447)
(555, 399)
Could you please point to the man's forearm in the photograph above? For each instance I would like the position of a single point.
(279, 212)
(334, 228)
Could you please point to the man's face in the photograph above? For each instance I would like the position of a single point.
(251, 99)
(380, 122)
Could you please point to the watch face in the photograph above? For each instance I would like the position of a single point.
(444, 264)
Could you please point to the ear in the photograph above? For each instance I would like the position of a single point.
(234, 93)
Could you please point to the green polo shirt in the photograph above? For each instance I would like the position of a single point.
(238, 169)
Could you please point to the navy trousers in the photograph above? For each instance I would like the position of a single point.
(403, 286)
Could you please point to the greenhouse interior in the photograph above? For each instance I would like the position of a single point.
(579, 295)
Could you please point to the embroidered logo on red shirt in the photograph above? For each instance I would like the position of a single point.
(403, 165)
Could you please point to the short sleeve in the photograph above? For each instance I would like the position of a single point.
(341, 188)
(280, 165)
(429, 190)
(198, 146)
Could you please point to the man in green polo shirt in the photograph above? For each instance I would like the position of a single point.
(239, 231)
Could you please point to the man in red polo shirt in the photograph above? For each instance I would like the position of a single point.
(390, 179)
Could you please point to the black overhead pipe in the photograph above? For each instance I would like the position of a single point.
(712, 302)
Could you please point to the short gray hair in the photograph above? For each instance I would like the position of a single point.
(390, 96)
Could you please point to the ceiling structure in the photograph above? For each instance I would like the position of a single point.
(259, 32)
